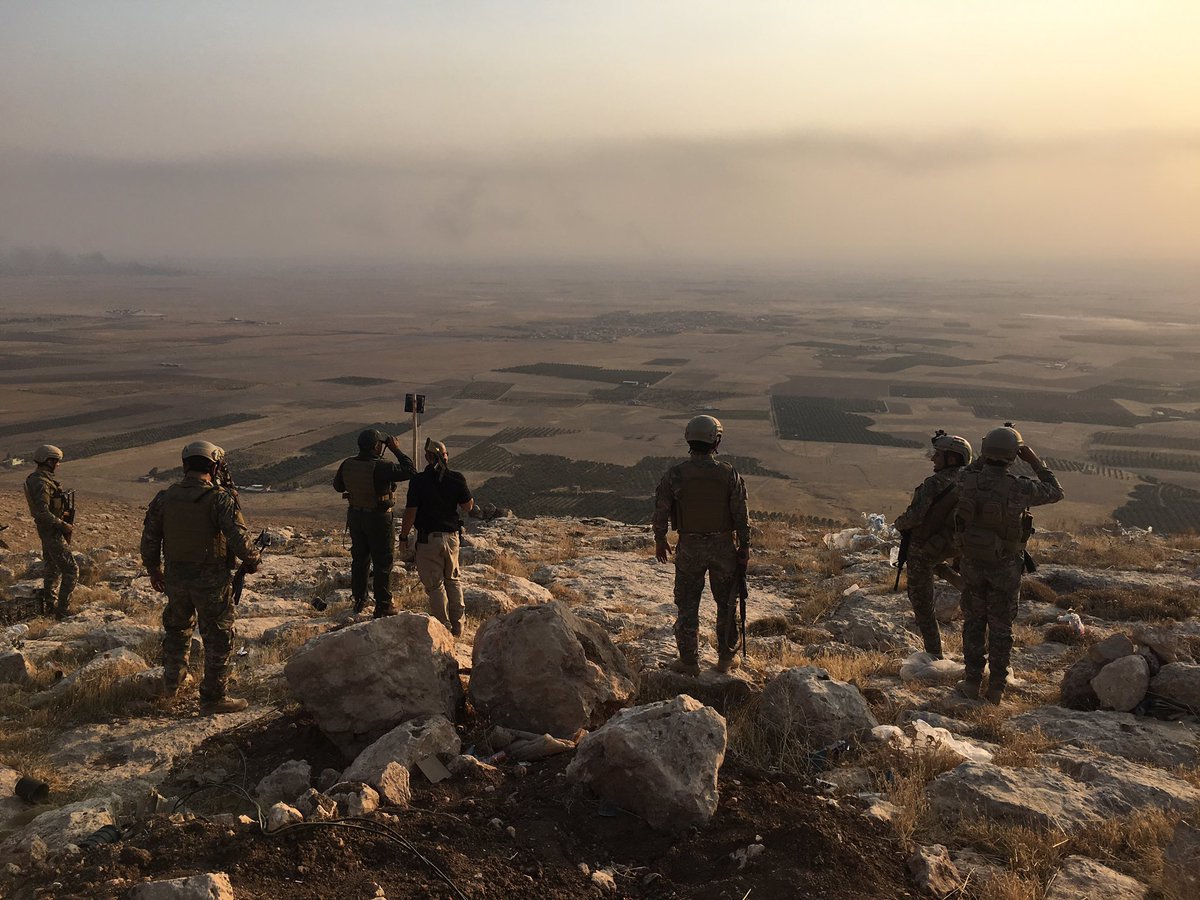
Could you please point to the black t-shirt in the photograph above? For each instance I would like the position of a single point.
(437, 500)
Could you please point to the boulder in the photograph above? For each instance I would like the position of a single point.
(105, 668)
(71, 823)
(295, 632)
(287, 782)
(1080, 878)
(1076, 691)
(1179, 682)
(1122, 786)
(544, 669)
(1165, 744)
(394, 785)
(15, 668)
(933, 872)
(520, 591)
(404, 745)
(1037, 796)
(214, 886)
(939, 740)
(804, 703)
(947, 606)
(1112, 648)
(1181, 862)
(923, 668)
(362, 681)
(710, 687)
(659, 761)
(870, 630)
(354, 798)
(1122, 684)
(281, 815)
(1166, 643)
(316, 807)
(483, 603)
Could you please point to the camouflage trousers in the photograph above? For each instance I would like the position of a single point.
(203, 593)
(372, 544)
(698, 555)
(437, 567)
(990, 594)
(922, 569)
(58, 565)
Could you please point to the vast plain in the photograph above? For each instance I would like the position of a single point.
(563, 391)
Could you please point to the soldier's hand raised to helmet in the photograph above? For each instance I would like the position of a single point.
(1026, 453)
(392, 443)
(662, 551)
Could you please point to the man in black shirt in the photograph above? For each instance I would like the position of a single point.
(369, 483)
(435, 498)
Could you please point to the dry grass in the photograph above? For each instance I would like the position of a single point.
(855, 668)
(508, 563)
(550, 548)
(568, 595)
(1091, 548)
(1148, 604)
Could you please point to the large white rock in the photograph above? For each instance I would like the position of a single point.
(286, 783)
(544, 669)
(1124, 787)
(215, 886)
(1037, 795)
(805, 704)
(404, 745)
(71, 823)
(933, 871)
(362, 681)
(1081, 878)
(923, 668)
(659, 761)
(1122, 684)
(1179, 682)
(1166, 744)
(104, 668)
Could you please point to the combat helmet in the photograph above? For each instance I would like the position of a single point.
(1001, 444)
(204, 450)
(45, 453)
(703, 428)
(952, 443)
(370, 437)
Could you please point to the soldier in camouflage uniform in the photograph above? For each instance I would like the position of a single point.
(705, 501)
(199, 528)
(929, 522)
(48, 504)
(369, 481)
(992, 525)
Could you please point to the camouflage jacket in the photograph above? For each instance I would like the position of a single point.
(227, 519)
(937, 489)
(665, 499)
(40, 489)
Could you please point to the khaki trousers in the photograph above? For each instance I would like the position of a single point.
(437, 567)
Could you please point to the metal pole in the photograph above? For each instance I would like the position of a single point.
(416, 460)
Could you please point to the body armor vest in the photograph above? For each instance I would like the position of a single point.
(988, 527)
(359, 477)
(935, 534)
(58, 498)
(702, 497)
(189, 535)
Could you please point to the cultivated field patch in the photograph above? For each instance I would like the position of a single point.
(830, 420)
(575, 372)
(155, 435)
(358, 380)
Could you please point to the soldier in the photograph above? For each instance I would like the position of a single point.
(197, 525)
(52, 511)
(369, 482)
(992, 525)
(929, 523)
(705, 501)
(435, 499)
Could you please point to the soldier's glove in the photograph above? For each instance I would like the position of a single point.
(157, 581)
(250, 566)
(743, 556)
(67, 528)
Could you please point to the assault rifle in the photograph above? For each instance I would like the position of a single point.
(223, 478)
(902, 556)
(262, 542)
(742, 592)
(68, 515)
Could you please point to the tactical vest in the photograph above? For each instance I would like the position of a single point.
(358, 475)
(935, 534)
(189, 535)
(702, 497)
(58, 498)
(988, 526)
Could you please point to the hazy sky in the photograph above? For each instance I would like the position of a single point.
(831, 131)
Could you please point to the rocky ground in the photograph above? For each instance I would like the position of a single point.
(547, 753)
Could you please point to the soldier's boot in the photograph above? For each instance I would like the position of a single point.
(360, 603)
(995, 692)
(969, 686)
(456, 629)
(63, 608)
(382, 610)
(173, 681)
(727, 662)
(933, 642)
(685, 666)
(222, 705)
